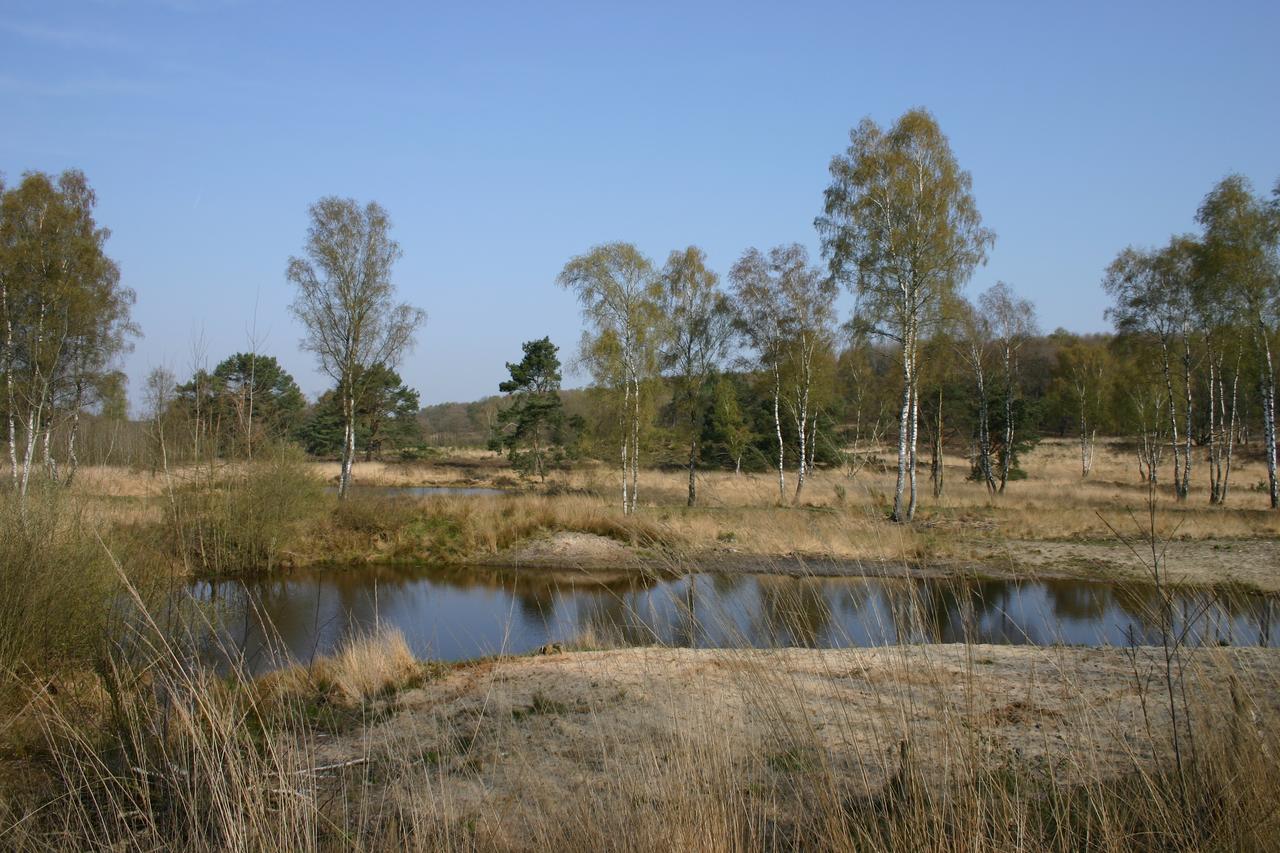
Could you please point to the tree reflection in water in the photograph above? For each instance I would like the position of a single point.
(458, 613)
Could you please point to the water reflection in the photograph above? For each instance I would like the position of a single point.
(455, 614)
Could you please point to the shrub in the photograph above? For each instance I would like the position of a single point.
(57, 583)
(247, 518)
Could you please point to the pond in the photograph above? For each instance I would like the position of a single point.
(461, 613)
(419, 491)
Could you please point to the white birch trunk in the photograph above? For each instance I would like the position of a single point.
(1173, 420)
(626, 445)
(32, 423)
(635, 444)
(11, 416)
(1006, 461)
(1187, 402)
(73, 461)
(984, 426)
(777, 427)
(1231, 436)
(904, 429)
(1269, 420)
(348, 441)
(915, 427)
(1215, 446)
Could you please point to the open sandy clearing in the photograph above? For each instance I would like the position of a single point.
(514, 747)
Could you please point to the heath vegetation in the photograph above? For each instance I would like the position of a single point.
(738, 427)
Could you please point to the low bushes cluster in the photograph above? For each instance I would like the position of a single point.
(247, 517)
(57, 583)
(452, 529)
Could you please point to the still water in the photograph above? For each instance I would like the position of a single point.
(419, 491)
(455, 614)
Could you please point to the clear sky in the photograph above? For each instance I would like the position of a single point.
(503, 139)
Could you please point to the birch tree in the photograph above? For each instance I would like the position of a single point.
(699, 327)
(901, 229)
(760, 321)
(617, 289)
(1082, 368)
(729, 424)
(347, 304)
(64, 316)
(808, 303)
(1012, 321)
(1152, 290)
(974, 346)
(1242, 257)
(1225, 340)
(786, 313)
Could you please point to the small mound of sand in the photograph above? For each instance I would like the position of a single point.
(575, 550)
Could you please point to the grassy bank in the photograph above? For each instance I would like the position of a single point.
(274, 514)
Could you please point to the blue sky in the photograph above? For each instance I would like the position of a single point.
(504, 139)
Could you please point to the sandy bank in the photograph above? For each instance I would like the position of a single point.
(511, 745)
(1251, 563)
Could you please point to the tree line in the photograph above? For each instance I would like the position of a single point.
(764, 365)
(65, 321)
(757, 372)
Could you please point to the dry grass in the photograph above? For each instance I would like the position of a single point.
(365, 668)
(899, 748)
(1052, 523)
(371, 666)
(904, 748)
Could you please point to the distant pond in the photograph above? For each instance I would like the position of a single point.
(462, 613)
(419, 491)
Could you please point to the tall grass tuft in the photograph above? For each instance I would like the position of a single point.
(370, 666)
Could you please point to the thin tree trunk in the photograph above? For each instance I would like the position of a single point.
(33, 420)
(635, 444)
(984, 428)
(1086, 448)
(1173, 420)
(904, 428)
(1269, 418)
(777, 426)
(73, 461)
(1187, 401)
(802, 429)
(348, 441)
(626, 444)
(693, 451)
(693, 488)
(1006, 460)
(13, 438)
(813, 441)
(937, 465)
(915, 428)
(1231, 435)
(11, 413)
(1215, 446)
